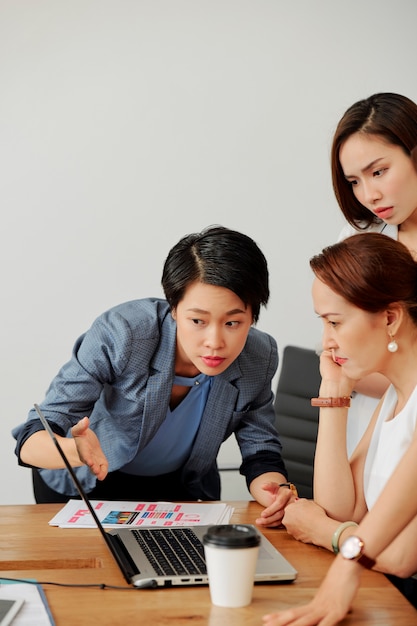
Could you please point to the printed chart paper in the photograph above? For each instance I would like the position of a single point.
(114, 514)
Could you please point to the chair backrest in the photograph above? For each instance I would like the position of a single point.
(297, 420)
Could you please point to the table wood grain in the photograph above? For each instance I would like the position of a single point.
(30, 548)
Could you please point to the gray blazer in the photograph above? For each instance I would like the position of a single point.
(121, 375)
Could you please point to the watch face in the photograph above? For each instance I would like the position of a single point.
(352, 547)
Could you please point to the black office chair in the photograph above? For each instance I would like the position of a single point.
(297, 420)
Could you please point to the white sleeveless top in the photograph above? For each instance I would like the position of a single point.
(390, 440)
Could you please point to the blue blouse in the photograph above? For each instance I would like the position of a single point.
(173, 441)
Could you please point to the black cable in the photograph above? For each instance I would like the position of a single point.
(48, 582)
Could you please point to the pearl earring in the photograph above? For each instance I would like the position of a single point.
(393, 345)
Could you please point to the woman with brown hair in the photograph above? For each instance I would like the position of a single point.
(365, 506)
(375, 182)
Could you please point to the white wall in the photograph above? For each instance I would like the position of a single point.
(126, 124)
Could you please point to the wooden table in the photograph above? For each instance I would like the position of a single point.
(30, 548)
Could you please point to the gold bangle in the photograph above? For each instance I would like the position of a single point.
(338, 532)
(342, 402)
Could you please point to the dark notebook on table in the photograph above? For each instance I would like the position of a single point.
(165, 557)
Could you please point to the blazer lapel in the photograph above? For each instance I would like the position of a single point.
(159, 384)
(219, 408)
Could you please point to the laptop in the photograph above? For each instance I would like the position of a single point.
(167, 557)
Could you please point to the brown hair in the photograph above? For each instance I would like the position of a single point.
(390, 116)
(371, 271)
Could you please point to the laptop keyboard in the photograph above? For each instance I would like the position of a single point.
(172, 551)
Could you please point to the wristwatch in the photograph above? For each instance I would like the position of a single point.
(352, 549)
(291, 487)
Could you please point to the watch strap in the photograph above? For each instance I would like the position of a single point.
(365, 561)
(290, 486)
(342, 402)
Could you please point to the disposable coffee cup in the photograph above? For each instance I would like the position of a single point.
(231, 552)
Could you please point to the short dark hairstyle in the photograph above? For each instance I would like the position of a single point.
(390, 116)
(371, 271)
(221, 257)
